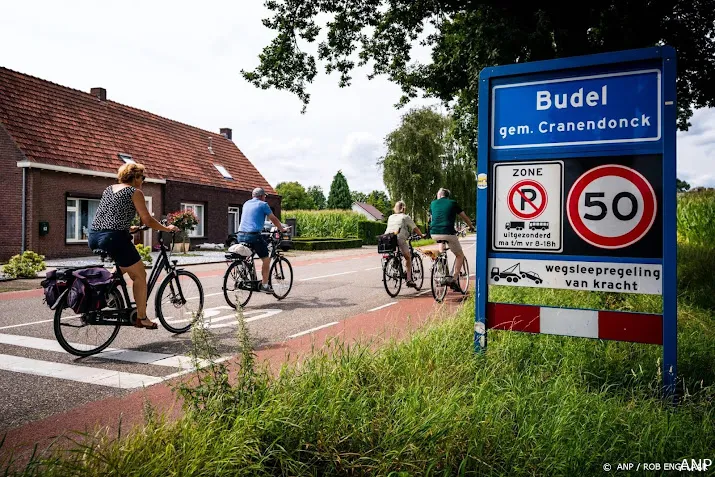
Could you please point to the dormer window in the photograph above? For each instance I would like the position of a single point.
(223, 171)
(127, 158)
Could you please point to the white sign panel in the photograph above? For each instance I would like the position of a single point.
(528, 205)
(574, 275)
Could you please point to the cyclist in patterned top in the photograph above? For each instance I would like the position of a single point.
(402, 224)
(111, 231)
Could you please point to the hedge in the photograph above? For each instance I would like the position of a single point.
(324, 223)
(369, 230)
(334, 244)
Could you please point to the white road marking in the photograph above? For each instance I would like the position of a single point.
(424, 292)
(205, 296)
(71, 372)
(141, 357)
(327, 276)
(383, 306)
(211, 318)
(313, 329)
(373, 268)
(37, 322)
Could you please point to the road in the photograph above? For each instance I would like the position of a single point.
(39, 379)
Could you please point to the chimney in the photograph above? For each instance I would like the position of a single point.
(227, 133)
(99, 93)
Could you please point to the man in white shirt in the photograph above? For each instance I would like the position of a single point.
(402, 224)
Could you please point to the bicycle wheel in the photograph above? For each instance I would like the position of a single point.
(237, 289)
(179, 299)
(281, 277)
(440, 272)
(464, 277)
(81, 338)
(392, 276)
(418, 272)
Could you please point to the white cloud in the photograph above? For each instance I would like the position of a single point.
(696, 150)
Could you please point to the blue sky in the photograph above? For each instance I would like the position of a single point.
(182, 60)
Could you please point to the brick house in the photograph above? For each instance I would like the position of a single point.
(60, 148)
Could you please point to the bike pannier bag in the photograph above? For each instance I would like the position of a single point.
(386, 243)
(56, 284)
(88, 292)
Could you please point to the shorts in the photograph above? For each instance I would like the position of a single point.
(256, 242)
(452, 241)
(404, 248)
(117, 243)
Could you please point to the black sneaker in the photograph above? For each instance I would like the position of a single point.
(411, 284)
(267, 288)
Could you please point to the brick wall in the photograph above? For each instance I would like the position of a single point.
(11, 193)
(216, 202)
(47, 194)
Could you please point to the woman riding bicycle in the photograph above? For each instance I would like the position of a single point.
(401, 224)
(111, 231)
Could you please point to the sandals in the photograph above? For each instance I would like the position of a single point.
(138, 324)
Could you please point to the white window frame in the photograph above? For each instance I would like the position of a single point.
(223, 171)
(77, 227)
(236, 211)
(196, 232)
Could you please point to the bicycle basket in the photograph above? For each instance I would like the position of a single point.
(386, 243)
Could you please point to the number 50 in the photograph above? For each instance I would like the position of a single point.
(591, 200)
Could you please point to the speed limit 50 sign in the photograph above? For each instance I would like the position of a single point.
(611, 206)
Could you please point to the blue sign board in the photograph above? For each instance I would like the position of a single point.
(596, 109)
(577, 171)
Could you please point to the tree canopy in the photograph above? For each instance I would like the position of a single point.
(469, 35)
(316, 193)
(339, 195)
(294, 196)
(681, 186)
(380, 201)
(358, 196)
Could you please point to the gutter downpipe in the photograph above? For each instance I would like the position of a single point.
(24, 207)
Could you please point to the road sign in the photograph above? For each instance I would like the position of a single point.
(601, 214)
(528, 203)
(611, 206)
(527, 199)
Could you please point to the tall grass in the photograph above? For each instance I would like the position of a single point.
(325, 223)
(696, 217)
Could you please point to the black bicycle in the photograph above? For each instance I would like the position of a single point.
(393, 272)
(240, 279)
(179, 298)
(441, 274)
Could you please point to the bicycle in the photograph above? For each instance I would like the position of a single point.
(441, 272)
(121, 311)
(393, 270)
(241, 274)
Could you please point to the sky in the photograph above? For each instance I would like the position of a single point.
(182, 60)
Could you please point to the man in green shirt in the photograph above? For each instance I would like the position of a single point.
(444, 212)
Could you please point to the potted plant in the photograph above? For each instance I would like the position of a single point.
(185, 220)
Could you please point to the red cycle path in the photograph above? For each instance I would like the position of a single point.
(108, 415)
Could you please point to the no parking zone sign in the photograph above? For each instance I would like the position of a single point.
(582, 196)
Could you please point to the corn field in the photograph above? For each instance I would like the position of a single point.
(325, 223)
(696, 218)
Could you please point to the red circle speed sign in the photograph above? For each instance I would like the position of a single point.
(611, 206)
(527, 199)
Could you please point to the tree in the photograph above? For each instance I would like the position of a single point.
(471, 35)
(294, 196)
(380, 201)
(358, 196)
(412, 166)
(316, 193)
(339, 195)
(681, 186)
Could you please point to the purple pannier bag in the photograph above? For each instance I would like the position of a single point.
(56, 284)
(88, 292)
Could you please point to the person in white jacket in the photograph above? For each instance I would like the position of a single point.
(402, 224)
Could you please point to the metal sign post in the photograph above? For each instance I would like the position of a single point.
(576, 190)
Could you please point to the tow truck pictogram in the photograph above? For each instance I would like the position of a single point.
(513, 274)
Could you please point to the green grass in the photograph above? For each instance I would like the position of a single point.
(423, 242)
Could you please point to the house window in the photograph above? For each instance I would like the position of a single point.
(234, 219)
(198, 210)
(80, 215)
(127, 158)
